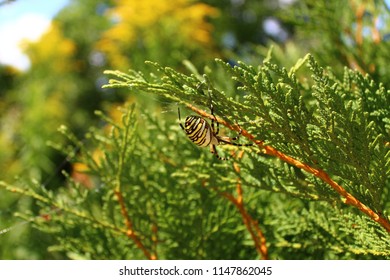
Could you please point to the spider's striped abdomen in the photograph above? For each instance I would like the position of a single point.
(198, 130)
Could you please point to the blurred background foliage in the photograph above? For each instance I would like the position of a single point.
(64, 83)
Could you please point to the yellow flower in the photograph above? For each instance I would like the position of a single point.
(52, 49)
(174, 24)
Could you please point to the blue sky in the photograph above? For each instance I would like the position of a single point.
(9, 12)
(24, 19)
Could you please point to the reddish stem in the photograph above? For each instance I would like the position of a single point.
(348, 198)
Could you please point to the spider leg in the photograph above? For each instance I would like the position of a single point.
(237, 137)
(228, 140)
(214, 119)
(178, 111)
(216, 133)
(213, 150)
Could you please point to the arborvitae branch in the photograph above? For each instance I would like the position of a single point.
(348, 198)
(338, 131)
(251, 224)
(59, 206)
(124, 146)
(316, 140)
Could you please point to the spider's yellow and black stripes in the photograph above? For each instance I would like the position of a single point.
(202, 134)
(198, 130)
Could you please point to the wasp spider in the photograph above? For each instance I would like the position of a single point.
(199, 131)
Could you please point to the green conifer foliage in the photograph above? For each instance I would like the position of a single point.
(314, 185)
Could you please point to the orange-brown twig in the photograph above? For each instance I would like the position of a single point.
(130, 230)
(348, 198)
(250, 223)
(155, 239)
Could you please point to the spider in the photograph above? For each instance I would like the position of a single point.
(199, 131)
